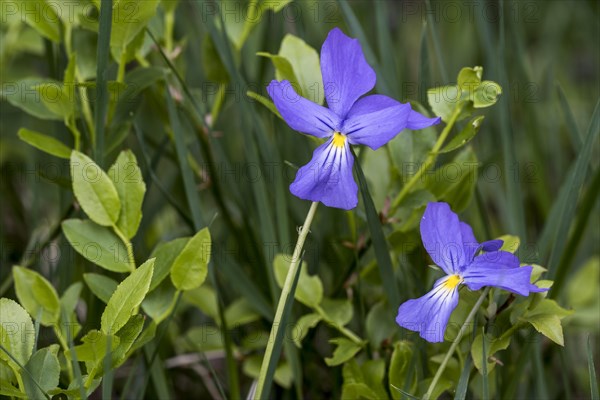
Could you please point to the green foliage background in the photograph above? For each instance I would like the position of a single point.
(210, 154)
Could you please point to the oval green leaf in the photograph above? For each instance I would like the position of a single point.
(126, 299)
(96, 243)
(17, 335)
(127, 178)
(45, 143)
(94, 190)
(37, 295)
(190, 268)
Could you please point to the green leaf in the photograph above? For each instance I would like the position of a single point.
(93, 349)
(455, 182)
(57, 98)
(160, 302)
(303, 325)
(510, 243)
(43, 368)
(165, 254)
(283, 372)
(69, 299)
(42, 17)
(379, 324)
(345, 350)
(549, 326)
(264, 101)
(307, 68)
(97, 244)
(125, 339)
(129, 18)
(94, 190)
(469, 78)
(190, 268)
(211, 62)
(205, 298)
(382, 254)
(44, 143)
(464, 136)
(128, 180)
(298, 63)
(102, 286)
(17, 335)
(240, 313)
(351, 391)
(310, 288)
(20, 94)
(443, 100)
(37, 295)
(337, 312)
(374, 373)
(492, 346)
(486, 94)
(127, 298)
(402, 374)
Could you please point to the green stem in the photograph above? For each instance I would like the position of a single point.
(128, 245)
(65, 346)
(286, 291)
(429, 160)
(169, 24)
(122, 64)
(461, 332)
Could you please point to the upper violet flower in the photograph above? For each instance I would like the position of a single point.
(452, 246)
(371, 120)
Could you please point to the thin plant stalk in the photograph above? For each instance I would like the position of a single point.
(286, 291)
(429, 160)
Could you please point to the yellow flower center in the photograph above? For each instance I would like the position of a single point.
(339, 139)
(452, 282)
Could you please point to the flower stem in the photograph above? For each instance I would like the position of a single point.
(128, 246)
(286, 291)
(461, 332)
(429, 160)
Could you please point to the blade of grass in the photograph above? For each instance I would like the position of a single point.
(74, 361)
(484, 373)
(572, 128)
(105, 23)
(189, 184)
(384, 41)
(384, 261)
(358, 32)
(583, 218)
(107, 379)
(565, 365)
(436, 43)
(538, 367)
(516, 215)
(463, 382)
(424, 66)
(150, 172)
(573, 185)
(232, 371)
(246, 287)
(159, 379)
(592, 372)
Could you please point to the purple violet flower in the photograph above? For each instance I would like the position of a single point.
(371, 120)
(452, 246)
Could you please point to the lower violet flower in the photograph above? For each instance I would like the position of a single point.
(453, 247)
